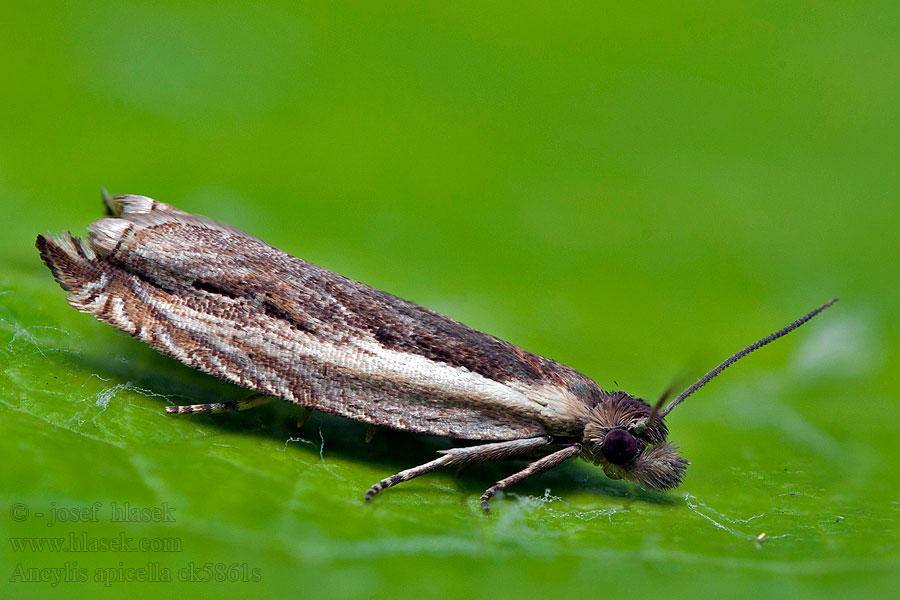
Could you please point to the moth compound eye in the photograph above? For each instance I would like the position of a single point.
(619, 447)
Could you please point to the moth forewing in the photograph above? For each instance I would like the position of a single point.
(230, 289)
(233, 306)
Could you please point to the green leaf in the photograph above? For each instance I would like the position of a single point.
(636, 192)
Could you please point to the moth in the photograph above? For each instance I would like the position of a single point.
(231, 305)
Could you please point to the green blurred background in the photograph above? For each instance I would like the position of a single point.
(634, 192)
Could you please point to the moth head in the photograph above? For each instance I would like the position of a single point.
(627, 436)
(618, 439)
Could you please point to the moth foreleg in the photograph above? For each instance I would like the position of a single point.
(250, 401)
(538, 466)
(462, 456)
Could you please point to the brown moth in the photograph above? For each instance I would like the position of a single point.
(228, 304)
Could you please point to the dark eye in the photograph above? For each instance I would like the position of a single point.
(619, 447)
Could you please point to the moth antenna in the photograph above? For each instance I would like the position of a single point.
(643, 425)
(739, 355)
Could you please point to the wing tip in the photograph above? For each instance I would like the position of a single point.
(70, 259)
(122, 205)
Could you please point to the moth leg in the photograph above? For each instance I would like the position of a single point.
(251, 401)
(462, 456)
(538, 466)
(371, 433)
(307, 412)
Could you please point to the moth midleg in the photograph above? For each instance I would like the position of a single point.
(461, 456)
(251, 401)
(307, 412)
(538, 466)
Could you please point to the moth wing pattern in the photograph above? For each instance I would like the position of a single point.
(233, 306)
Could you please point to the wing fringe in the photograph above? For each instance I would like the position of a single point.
(71, 260)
